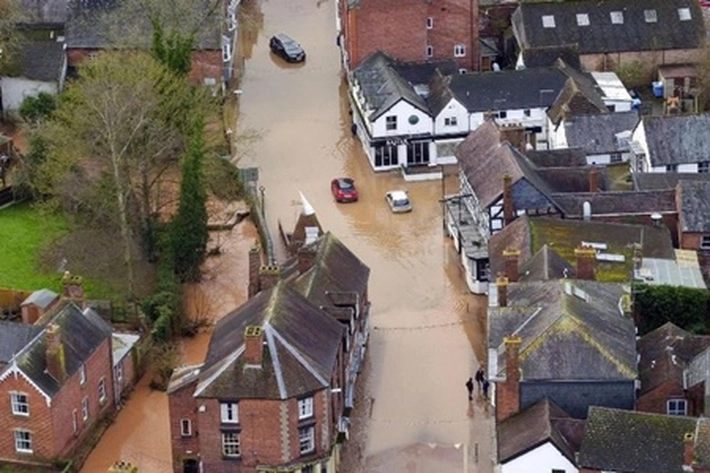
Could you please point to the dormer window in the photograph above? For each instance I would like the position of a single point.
(429, 23)
(684, 14)
(650, 16)
(82, 375)
(582, 19)
(617, 17)
(548, 21)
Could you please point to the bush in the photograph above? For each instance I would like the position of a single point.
(685, 307)
(35, 109)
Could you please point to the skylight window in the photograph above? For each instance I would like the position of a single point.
(582, 19)
(617, 17)
(548, 21)
(650, 16)
(684, 14)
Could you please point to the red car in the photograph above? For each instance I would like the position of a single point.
(343, 189)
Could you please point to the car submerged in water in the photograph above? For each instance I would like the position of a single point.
(286, 47)
(398, 201)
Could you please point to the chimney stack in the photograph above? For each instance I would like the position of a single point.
(511, 257)
(508, 207)
(254, 265)
(688, 451)
(253, 345)
(593, 179)
(508, 392)
(268, 277)
(73, 287)
(513, 134)
(586, 262)
(502, 288)
(56, 363)
(306, 258)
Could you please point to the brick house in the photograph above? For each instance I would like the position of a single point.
(410, 30)
(664, 355)
(57, 380)
(694, 207)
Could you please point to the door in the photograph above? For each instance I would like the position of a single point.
(417, 153)
(191, 465)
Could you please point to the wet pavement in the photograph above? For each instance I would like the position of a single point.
(427, 331)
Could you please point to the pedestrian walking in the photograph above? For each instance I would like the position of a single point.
(480, 376)
(486, 385)
(469, 387)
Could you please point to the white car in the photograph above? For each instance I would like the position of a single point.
(398, 201)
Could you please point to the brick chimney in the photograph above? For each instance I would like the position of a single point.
(73, 287)
(513, 134)
(593, 179)
(508, 391)
(511, 257)
(253, 345)
(254, 265)
(268, 277)
(306, 258)
(508, 207)
(56, 363)
(688, 451)
(502, 288)
(586, 262)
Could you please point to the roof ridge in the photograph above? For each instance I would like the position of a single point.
(299, 357)
(270, 331)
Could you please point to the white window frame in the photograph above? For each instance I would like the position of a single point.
(391, 123)
(705, 242)
(429, 23)
(548, 21)
(306, 439)
(82, 374)
(231, 446)
(229, 412)
(23, 441)
(676, 410)
(684, 14)
(671, 168)
(20, 403)
(85, 409)
(459, 50)
(450, 121)
(704, 167)
(430, 51)
(305, 408)
(102, 389)
(582, 19)
(185, 428)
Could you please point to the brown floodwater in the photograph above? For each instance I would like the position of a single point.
(427, 331)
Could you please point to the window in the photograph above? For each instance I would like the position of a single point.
(305, 408)
(429, 51)
(616, 158)
(119, 372)
(548, 21)
(555, 470)
(230, 444)
(20, 404)
(429, 23)
(82, 375)
(450, 121)
(23, 441)
(705, 242)
(617, 17)
(413, 119)
(684, 14)
(186, 427)
(391, 123)
(102, 390)
(386, 155)
(226, 52)
(650, 16)
(672, 167)
(463, 71)
(582, 19)
(229, 412)
(502, 114)
(85, 409)
(611, 108)
(526, 112)
(459, 50)
(306, 439)
(704, 167)
(74, 421)
(677, 407)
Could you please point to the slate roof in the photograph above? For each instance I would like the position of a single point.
(45, 12)
(40, 60)
(664, 353)
(695, 206)
(634, 442)
(664, 180)
(573, 179)
(548, 56)
(570, 330)
(300, 351)
(563, 157)
(41, 298)
(14, 336)
(618, 202)
(421, 73)
(535, 426)
(596, 134)
(81, 334)
(508, 89)
(600, 36)
(678, 140)
(545, 265)
(580, 95)
(382, 86)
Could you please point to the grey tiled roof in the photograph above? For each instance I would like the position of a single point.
(596, 134)
(41, 298)
(546, 264)
(552, 158)
(634, 442)
(548, 56)
(678, 140)
(580, 95)
(14, 336)
(601, 36)
(41, 60)
(45, 11)
(695, 202)
(664, 180)
(618, 202)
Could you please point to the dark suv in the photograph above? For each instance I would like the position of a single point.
(287, 48)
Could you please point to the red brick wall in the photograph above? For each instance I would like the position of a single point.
(455, 22)
(129, 373)
(182, 405)
(653, 59)
(691, 241)
(655, 399)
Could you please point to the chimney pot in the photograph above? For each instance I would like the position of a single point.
(253, 345)
(688, 449)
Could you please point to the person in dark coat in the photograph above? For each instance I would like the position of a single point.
(480, 376)
(469, 387)
(486, 385)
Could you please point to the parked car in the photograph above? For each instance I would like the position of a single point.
(343, 189)
(286, 47)
(398, 201)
